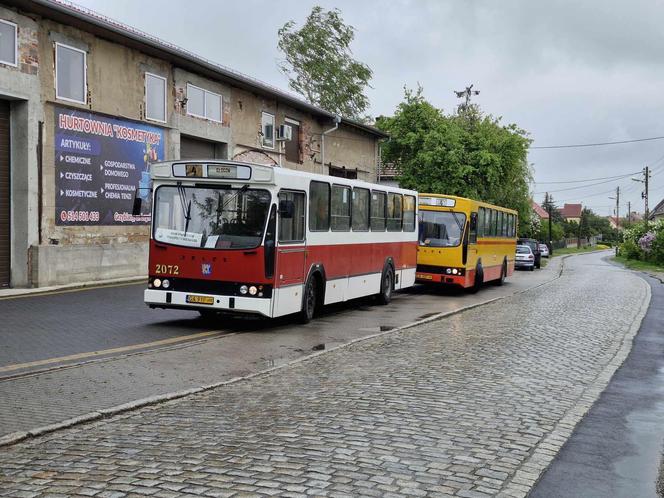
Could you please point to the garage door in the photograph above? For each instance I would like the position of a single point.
(192, 148)
(4, 193)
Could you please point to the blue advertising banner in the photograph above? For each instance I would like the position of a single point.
(101, 164)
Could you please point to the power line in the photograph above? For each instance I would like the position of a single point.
(582, 186)
(593, 179)
(597, 144)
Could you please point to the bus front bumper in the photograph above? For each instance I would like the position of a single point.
(427, 278)
(182, 300)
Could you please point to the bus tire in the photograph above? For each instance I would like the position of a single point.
(503, 274)
(479, 279)
(386, 286)
(309, 300)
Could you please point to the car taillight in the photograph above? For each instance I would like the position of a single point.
(531, 256)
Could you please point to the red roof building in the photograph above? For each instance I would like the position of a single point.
(540, 211)
(571, 212)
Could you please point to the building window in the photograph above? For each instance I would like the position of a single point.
(292, 147)
(70, 74)
(155, 97)
(203, 104)
(351, 174)
(8, 43)
(267, 129)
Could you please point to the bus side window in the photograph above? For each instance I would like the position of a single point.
(408, 213)
(394, 212)
(340, 208)
(496, 223)
(378, 211)
(510, 228)
(515, 221)
(360, 213)
(473, 228)
(491, 228)
(480, 222)
(291, 227)
(319, 206)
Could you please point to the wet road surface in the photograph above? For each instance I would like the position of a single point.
(616, 450)
(474, 404)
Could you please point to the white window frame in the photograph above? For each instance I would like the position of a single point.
(205, 94)
(274, 130)
(85, 74)
(165, 80)
(15, 63)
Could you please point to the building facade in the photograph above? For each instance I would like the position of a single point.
(86, 104)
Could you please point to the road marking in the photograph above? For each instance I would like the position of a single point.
(123, 349)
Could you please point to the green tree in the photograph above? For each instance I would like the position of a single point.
(557, 231)
(549, 206)
(320, 66)
(468, 154)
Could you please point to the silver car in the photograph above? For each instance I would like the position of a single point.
(544, 249)
(524, 258)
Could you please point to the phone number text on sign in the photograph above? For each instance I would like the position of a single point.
(70, 216)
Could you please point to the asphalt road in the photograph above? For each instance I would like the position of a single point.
(88, 323)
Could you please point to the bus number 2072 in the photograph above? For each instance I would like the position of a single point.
(167, 269)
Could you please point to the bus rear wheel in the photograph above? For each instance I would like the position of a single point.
(309, 301)
(503, 274)
(386, 286)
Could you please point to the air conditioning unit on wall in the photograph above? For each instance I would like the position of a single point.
(285, 132)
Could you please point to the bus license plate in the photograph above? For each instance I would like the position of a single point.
(200, 299)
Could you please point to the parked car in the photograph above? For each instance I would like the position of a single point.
(534, 247)
(544, 249)
(524, 258)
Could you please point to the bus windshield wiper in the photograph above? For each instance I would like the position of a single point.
(241, 190)
(186, 207)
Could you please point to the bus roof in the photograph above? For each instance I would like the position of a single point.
(244, 172)
(463, 200)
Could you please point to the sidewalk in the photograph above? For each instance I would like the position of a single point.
(474, 405)
(34, 291)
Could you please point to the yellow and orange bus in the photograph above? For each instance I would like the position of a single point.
(464, 242)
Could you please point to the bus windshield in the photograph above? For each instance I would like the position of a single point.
(441, 228)
(210, 217)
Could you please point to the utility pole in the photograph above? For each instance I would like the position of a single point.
(617, 211)
(548, 208)
(466, 94)
(644, 194)
(629, 213)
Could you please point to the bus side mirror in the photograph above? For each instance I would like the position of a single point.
(286, 209)
(136, 209)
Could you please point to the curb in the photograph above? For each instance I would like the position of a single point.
(527, 476)
(58, 289)
(16, 437)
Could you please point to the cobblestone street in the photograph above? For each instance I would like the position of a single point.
(472, 405)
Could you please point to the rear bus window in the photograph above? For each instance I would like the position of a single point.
(319, 207)
(408, 213)
(340, 208)
(378, 211)
(394, 212)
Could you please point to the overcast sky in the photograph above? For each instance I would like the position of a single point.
(568, 72)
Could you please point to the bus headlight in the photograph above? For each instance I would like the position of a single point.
(454, 272)
(253, 290)
(156, 282)
(243, 289)
(448, 271)
(166, 283)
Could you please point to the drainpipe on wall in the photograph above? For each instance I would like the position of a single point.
(337, 120)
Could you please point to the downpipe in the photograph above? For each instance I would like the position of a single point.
(337, 120)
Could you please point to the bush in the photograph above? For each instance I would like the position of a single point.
(630, 250)
(656, 253)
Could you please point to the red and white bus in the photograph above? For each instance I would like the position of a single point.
(239, 237)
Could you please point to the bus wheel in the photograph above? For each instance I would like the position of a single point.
(309, 301)
(503, 274)
(386, 286)
(479, 279)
